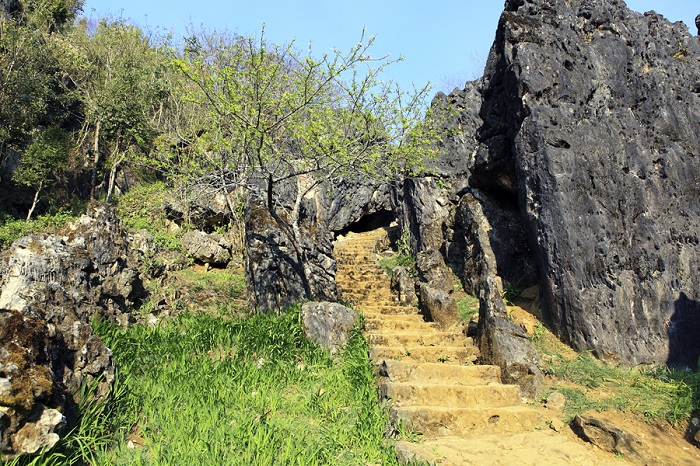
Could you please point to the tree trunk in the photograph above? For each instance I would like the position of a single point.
(96, 160)
(36, 200)
(117, 160)
(292, 233)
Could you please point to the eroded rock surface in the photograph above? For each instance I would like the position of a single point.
(52, 288)
(209, 248)
(327, 324)
(42, 368)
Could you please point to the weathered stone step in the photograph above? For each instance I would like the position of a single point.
(389, 309)
(527, 448)
(495, 395)
(443, 354)
(435, 421)
(393, 322)
(424, 336)
(402, 371)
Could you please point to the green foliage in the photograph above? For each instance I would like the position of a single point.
(210, 391)
(144, 208)
(468, 307)
(402, 258)
(45, 156)
(512, 291)
(12, 229)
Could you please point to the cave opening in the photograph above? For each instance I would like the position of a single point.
(380, 219)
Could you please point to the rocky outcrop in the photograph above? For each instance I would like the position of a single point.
(585, 168)
(52, 288)
(501, 342)
(206, 248)
(329, 325)
(592, 127)
(88, 268)
(42, 369)
(277, 274)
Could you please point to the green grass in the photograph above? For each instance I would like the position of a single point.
(398, 260)
(210, 391)
(656, 394)
(142, 208)
(468, 307)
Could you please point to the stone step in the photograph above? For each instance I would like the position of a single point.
(402, 371)
(527, 448)
(434, 421)
(417, 337)
(394, 322)
(495, 395)
(442, 354)
(389, 309)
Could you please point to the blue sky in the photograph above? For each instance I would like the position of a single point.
(445, 42)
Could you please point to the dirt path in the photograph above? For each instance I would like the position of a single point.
(466, 415)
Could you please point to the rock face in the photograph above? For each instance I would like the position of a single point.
(327, 324)
(42, 368)
(209, 248)
(88, 267)
(52, 286)
(275, 273)
(591, 127)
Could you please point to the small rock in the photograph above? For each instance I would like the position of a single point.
(697, 436)
(438, 305)
(609, 437)
(5, 387)
(557, 425)
(556, 401)
(35, 436)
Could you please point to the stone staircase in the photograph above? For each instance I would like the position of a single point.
(464, 412)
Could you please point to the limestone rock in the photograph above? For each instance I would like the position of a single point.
(404, 286)
(589, 141)
(42, 369)
(276, 276)
(556, 401)
(327, 324)
(438, 306)
(500, 340)
(432, 270)
(610, 438)
(357, 205)
(34, 437)
(209, 248)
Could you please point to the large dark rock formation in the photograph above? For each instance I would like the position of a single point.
(275, 274)
(591, 127)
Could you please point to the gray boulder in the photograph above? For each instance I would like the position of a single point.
(611, 438)
(211, 248)
(404, 286)
(438, 306)
(329, 325)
